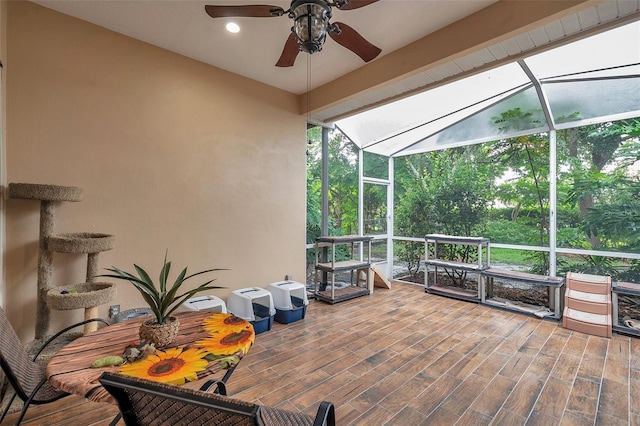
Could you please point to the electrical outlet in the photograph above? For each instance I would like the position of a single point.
(288, 277)
(114, 310)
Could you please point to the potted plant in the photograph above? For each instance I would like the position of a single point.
(162, 300)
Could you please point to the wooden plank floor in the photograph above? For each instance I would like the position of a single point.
(404, 357)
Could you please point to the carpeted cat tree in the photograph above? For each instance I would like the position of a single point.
(88, 295)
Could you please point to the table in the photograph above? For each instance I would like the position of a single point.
(70, 369)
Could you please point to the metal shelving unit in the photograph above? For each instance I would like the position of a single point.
(327, 267)
(483, 253)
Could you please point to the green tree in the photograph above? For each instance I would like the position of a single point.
(409, 252)
(528, 192)
(527, 157)
(314, 186)
(375, 196)
(602, 183)
(446, 192)
(342, 193)
(600, 167)
(343, 181)
(375, 166)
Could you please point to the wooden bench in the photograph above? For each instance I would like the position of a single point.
(627, 289)
(554, 287)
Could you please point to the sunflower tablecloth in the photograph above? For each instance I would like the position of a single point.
(228, 338)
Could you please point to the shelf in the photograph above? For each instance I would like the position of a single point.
(453, 239)
(344, 265)
(456, 293)
(432, 241)
(630, 289)
(470, 267)
(325, 277)
(343, 239)
(341, 294)
(524, 277)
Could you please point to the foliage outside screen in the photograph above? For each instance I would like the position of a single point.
(500, 190)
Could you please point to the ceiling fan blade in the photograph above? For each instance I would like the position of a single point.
(352, 40)
(356, 4)
(289, 53)
(254, 11)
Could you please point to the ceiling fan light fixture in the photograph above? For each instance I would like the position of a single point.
(232, 27)
(311, 23)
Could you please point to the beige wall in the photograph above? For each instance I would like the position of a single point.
(171, 153)
(3, 98)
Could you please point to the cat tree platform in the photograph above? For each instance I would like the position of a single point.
(41, 192)
(81, 243)
(91, 244)
(87, 296)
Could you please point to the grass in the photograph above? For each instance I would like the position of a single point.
(509, 256)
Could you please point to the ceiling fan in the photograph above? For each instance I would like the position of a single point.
(310, 26)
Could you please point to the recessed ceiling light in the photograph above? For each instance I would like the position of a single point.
(232, 27)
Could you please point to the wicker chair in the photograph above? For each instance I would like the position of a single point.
(144, 402)
(27, 377)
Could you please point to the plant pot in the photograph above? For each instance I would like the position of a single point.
(160, 335)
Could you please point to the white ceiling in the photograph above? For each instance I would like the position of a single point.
(182, 26)
(596, 17)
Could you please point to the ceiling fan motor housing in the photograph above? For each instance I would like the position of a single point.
(311, 23)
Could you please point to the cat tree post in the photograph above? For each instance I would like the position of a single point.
(45, 268)
(92, 266)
